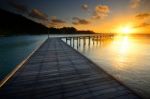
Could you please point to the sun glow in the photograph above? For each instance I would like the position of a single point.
(125, 29)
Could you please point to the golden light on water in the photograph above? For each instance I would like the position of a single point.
(125, 44)
(121, 46)
(124, 47)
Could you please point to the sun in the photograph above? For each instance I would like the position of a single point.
(125, 29)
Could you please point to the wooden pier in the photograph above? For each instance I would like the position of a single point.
(57, 71)
(86, 38)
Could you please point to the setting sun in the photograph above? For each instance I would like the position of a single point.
(125, 29)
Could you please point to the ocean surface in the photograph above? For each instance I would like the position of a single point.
(127, 58)
(14, 49)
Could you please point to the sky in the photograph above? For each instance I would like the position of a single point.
(102, 16)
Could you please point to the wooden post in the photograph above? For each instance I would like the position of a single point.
(66, 39)
(89, 40)
(79, 41)
(73, 41)
(84, 41)
(70, 40)
(93, 40)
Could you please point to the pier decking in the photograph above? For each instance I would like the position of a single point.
(56, 71)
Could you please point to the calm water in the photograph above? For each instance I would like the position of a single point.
(126, 58)
(15, 49)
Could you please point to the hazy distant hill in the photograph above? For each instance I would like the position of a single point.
(11, 24)
(14, 24)
(68, 30)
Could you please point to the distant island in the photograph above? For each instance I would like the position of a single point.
(14, 24)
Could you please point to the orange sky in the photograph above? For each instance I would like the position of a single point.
(116, 24)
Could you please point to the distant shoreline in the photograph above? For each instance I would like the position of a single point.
(67, 34)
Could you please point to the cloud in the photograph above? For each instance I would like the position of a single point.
(78, 21)
(135, 3)
(84, 7)
(142, 25)
(18, 7)
(99, 15)
(54, 22)
(143, 15)
(57, 21)
(35, 13)
(101, 11)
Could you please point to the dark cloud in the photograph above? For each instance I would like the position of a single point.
(135, 3)
(101, 11)
(84, 7)
(78, 21)
(54, 22)
(18, 7)
(142, 25)
(143, 15)
(58, 21)
(35, 13)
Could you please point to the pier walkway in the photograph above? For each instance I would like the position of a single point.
(56, 71)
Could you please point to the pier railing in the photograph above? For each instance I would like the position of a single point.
(82, 35)
(86, 39)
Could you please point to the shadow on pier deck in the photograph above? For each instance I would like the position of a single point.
(56, 71)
